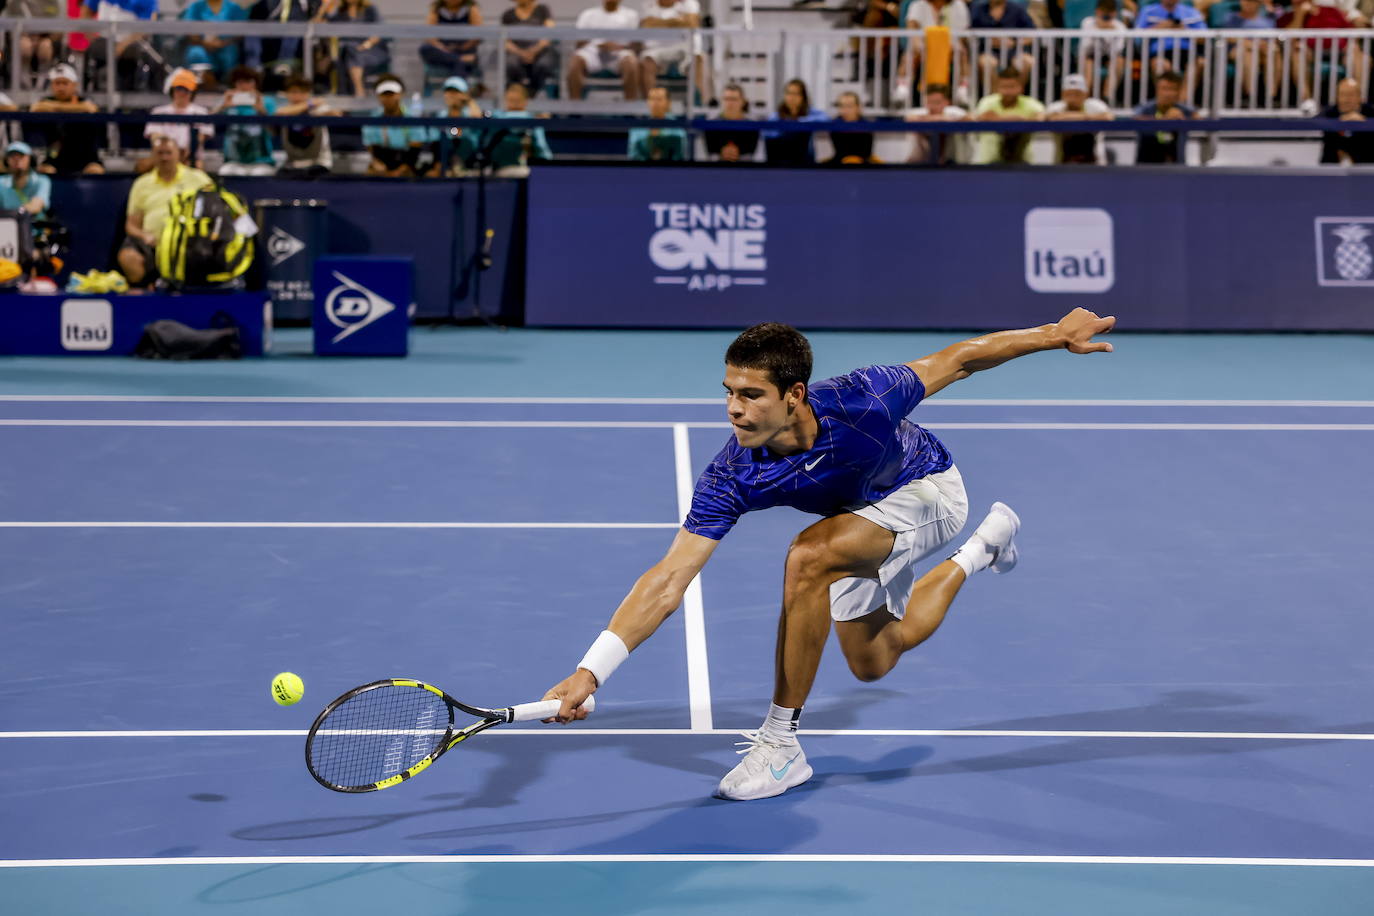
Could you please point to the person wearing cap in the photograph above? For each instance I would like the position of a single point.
(533, 63)
(1008, 103)
(395, 149)
(73, 149)
(357, 56)
(1074, 105)
(148, 206)
(463, 142)
(211, 54)
(247, 147)
(22, 188)
(181, 87)
(308, 153)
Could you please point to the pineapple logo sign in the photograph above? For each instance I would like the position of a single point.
(1343, 253)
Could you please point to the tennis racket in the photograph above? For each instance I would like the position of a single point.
(379, 735)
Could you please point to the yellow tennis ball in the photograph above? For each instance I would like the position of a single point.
(287, 688)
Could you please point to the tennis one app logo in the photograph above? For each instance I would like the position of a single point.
(87, 324)
(1069, 250)
(350, 306)
(709, 247)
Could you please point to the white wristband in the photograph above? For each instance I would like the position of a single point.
(604, 656)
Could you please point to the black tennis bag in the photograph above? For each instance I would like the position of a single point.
(169, 339)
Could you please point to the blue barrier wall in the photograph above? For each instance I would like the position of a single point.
(890, 248)
(433, 221)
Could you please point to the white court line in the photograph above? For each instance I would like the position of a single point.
(935, 402)
(692, 858)
(693, 610)
(842, 732)
(531, 525)
(656, 424)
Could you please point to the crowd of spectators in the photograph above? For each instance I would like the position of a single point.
(264, 78)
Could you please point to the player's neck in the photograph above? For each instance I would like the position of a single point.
(798, 435)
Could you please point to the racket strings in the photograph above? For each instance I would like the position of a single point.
(378, 734)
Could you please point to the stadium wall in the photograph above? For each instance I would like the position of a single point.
(704, 246)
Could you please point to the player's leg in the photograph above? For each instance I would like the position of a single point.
(840, 547)
(873, 643)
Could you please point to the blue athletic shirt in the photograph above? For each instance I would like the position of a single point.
(865, 450)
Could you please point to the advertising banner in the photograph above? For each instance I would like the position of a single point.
(60, 324)
(1164, 249)
(362, 306)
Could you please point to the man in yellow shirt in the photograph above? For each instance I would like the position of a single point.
(1006, 104)
(147, 211)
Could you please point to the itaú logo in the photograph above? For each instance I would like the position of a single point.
(1070, 250)
(709, 246)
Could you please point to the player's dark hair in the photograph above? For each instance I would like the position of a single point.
(778, 349)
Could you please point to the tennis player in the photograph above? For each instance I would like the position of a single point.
(890, 496)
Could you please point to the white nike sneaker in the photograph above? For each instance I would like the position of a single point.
(767, 769)
(998, 531)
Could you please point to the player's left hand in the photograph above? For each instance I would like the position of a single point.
(1078, 327)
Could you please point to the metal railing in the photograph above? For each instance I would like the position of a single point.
(1226, 72)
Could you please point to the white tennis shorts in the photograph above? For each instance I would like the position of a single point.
(926, 515)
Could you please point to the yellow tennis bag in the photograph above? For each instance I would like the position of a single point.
(207, 239)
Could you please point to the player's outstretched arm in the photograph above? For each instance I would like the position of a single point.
(1074, 332)
(653, 598)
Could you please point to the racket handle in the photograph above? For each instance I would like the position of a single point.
(544, 709)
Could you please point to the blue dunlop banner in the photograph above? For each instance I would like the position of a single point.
(1165, 249)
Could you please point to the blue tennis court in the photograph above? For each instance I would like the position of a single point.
(1168, 707)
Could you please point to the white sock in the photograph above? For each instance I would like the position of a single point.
(781, 725)
(975, 555)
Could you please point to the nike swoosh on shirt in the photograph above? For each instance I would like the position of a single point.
(813, 464)
(779, 774)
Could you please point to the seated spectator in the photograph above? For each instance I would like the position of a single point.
(1074, 105)
(279, 56)
(395, 149)
(1251, 56)
(211, 56)
(72, 148)
(247, 147)
(22, 188)
(533, 63)
(1308, 14)
(939, 149)
(1348, 147)
(606, 55)
(452, 57)
(662, 56)
(510, 151)
(793, 147)
(851, 147)
(1000, 53)
(1096, 55)
(148, 206)
(1172, 16)
(308, 154)
(732, 145)
(658, 144)
(357, 56)
(464, 143)
(181, 86)
(1164, 146)
(132, 52)
(876, 52)
(953, 15)
(1006, 104)
(36, 49)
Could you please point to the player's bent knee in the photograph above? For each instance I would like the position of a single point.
(868, 669)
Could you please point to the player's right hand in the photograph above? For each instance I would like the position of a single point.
(573, 691)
